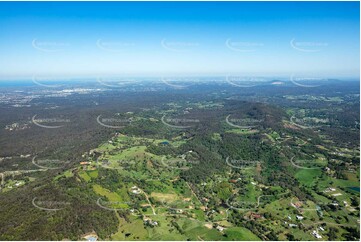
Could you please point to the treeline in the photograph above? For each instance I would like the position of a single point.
(78, 214)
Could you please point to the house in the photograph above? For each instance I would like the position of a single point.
(25, 156)
(299, 217)
(330, 189)
(85, 163)
(203, 208)
(319, 212)
(335, 203)
(220, 228)
(135, 190)
(150, 222)
(293, 225)
(337, 194)
(317, 236)
(256, 215)
(92, 168)
(298, 204)
(320, 228)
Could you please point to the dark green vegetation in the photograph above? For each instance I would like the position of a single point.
(210, 162)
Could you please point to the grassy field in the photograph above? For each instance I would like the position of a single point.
(66, 174)
(308, 177)
(168, 194)
(240, 234)
(84, 175)
(93, 174)
(166, 197)
(112, 196)
(130, 231)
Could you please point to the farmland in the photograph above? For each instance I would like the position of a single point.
(209, 167)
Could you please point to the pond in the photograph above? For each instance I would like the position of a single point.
(356, 189)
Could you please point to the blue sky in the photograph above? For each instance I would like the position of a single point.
(168, 38)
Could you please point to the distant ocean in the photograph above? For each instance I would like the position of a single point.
(16, 83)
